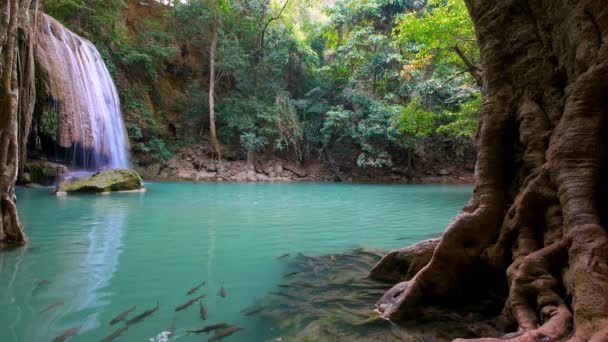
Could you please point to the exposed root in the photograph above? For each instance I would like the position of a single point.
(535, 220)
(404, 263)
(13, 234)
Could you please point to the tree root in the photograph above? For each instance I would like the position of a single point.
(535, 221)
(12, 232)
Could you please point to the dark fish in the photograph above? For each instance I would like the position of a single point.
(284, 285)
(194, 289)
(67, 334)
(208, 328)
(188, 303)
(52, 306)
(41, 283)
(115, 334)
(223, 292)
(223, 333)
(203, 312)
(143, 315)
(281, 294)
(284, 256)
(253, 311)
(121, 316)
(290, 274)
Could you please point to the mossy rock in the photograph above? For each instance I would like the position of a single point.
(42, 172)
(104, 181)
(152, 171)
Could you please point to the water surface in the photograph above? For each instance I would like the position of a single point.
(102, 254)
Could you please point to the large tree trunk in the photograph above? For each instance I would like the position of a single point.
(16, 91)
(536, 220)
(212, 51)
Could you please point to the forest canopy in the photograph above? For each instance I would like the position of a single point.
(367, 82)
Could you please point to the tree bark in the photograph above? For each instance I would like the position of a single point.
(536, 220)
(212, 51)
(15, 92)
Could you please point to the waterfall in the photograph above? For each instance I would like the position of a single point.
(84, 98)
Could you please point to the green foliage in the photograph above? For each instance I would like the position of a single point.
(251, 142)
(463, 122)
(143, 129)
(64, 9)
(372, 79)
(414, 121)
(433, 33)
(49, 123)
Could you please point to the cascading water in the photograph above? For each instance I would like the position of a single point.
(84, 98)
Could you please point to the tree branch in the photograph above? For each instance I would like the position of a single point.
(471, 68)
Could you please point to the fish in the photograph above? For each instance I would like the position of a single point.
(194, 289)
(208, 328)
(188, 303)
(223, 292)
(52, 306)
(67, 334)
(41, 283)
(143, 315)
(116, 334)
(291, 274)
(203, 312)
(253, 310)
(122, 316)
(281, 294)
(284, 256)
(223, 333)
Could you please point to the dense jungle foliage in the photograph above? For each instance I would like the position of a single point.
(364, 81)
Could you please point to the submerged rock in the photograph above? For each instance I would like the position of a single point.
(103, 181)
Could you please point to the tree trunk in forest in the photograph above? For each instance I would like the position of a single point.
(212, 50)
(259, 50)
(410, 165)
(537, 218)
(16, 92)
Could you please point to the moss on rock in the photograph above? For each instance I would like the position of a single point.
(104, 181)
(42, 172)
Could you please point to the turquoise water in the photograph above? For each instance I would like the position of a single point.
(102, 254)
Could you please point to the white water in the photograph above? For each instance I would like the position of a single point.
(90, 121)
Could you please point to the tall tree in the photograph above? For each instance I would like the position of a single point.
(537, 219)
(212, 50)
(16, 89)
(259, 51)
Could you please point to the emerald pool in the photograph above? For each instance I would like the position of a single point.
(102, 254)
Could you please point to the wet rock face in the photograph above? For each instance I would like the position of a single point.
(103, 181)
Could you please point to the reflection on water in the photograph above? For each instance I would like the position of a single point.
(88, 259)
(104, 254)
(101, 261)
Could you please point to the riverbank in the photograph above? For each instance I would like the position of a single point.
(192, 164)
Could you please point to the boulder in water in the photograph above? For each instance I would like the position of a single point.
(42, 172)
(104, 181)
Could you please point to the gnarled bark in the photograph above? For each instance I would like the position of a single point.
(537, 217)
(16, 92)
